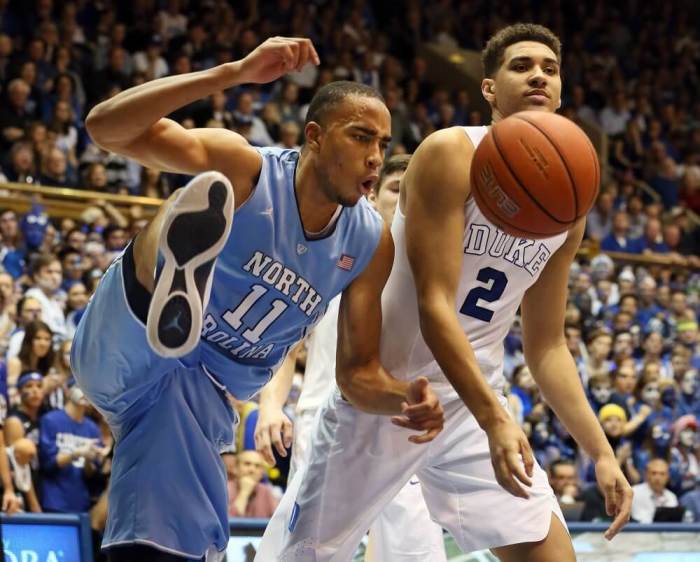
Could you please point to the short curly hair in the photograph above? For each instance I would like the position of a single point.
(493, 53)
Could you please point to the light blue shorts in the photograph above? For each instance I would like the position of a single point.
(170, 421)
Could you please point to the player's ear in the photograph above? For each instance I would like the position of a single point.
(488, 90)
(312, 136)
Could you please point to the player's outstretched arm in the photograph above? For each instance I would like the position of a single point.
(133, 122)
(555, 372)
(435, 189)
(273, 428)
(359, 373)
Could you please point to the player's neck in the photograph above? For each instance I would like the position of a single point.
(315, 208)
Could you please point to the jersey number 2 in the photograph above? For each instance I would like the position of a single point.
(490, 293)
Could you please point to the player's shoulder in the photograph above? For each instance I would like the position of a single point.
(449, 138)
(278, 154)
(444, 152)
(443, 159)
(277, 164)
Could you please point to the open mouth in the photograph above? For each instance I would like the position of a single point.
(366, 186)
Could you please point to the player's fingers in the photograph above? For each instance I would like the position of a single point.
(294, 48)
(623, 513)
(313, 53)
(310, 50)
(303, 55)
(431, 418)
(287, 433)
(430, 422)
(262, 444)
(418, 410)
(610, 498)
(506, 480)
(425, 437)
(528, 457)
(401, 421)
(287, 57)
(406, 423)
(615, 526)
(517, 469)
(276, 439)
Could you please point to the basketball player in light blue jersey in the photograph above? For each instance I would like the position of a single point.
(161, 354)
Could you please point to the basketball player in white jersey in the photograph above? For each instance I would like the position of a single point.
(403, 531)
(455, 287)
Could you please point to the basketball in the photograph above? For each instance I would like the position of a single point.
(535, 174)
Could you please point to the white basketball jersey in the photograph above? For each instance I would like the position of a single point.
(497, 269)
(319, 377)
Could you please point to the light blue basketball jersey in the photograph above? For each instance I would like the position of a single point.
(273, 281)
(170, 421)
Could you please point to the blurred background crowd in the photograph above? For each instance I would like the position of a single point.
(631, 72)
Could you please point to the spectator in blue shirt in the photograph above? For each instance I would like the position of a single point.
(69, 452)
(618, 240)
(653, 239)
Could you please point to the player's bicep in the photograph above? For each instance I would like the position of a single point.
(360, 317)
(436, 188)
(168, 146)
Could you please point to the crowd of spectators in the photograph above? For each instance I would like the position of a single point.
(632, 71)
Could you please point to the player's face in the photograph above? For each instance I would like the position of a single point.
(528, 79)
(387, 198)
(351, 148)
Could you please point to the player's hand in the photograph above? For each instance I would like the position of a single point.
(273, 430)
(617, 491)
(276, 57)
(10, 502)
(511, 456)
(421, 411)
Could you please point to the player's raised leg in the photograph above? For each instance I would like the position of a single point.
(192, 233)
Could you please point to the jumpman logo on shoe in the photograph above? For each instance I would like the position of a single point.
(175, 323)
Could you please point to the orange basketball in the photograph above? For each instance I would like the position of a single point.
(535, 174)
